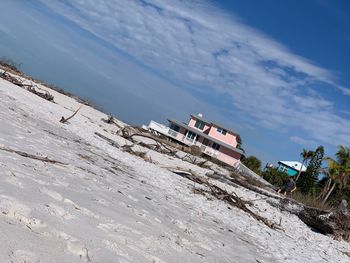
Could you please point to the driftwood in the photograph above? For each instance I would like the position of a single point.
(195, 150)
(143, 155)
(6, 76)
(230, 198)
(254, 185)
(45, 95)
(128, 133)
(189, 158)
(110, 141)
(162, 144)
(29, 87)
(111, 120)
(335, 223)
(194, 160)
(234, 200)
(64, 120)
(32, 156)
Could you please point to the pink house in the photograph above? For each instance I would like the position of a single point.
(213, 139)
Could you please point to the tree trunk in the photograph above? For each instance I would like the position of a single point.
(335, 223)
(325, 189)
(301, 168)
(329, 193)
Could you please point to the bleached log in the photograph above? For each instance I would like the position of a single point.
(32, 156)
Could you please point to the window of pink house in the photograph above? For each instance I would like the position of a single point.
(221, 130)
(206, 142)
(175, 127)
(215, 146)
(199, 124)
(191, 135)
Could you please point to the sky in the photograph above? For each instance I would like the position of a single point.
(277, 72)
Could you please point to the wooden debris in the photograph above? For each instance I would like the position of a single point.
(127, 131)
(45, 95)
(195, 150)
(64, 120)
(204, 164)
(29, 87)
(161, 146)
(32, 156)
(110, 141)
(234, 200)
(334, 223)
(111, 120)
(230, 198)
(189, 158)
(143, 155)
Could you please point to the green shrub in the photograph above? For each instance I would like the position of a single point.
(252, 163)
(275, 177)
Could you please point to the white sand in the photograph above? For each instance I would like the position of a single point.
(106, 205)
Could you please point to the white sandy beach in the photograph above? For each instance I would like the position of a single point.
(106, 205)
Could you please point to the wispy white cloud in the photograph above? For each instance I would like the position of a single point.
(345, 91)
(200, 46)
(303, 142)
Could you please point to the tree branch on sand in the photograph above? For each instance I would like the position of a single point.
(111, 120)
(328, 222)
(64, 120)
(221, 194)
(32, 156)
(110, 141)
(335, 222)
(29, 87)
(143, 155)
(161, 146)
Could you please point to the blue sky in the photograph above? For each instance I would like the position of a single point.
(275, 71)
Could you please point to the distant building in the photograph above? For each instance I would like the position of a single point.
(213, 139)
(290, 167)
(269, 166)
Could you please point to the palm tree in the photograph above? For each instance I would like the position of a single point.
(338, 172)
(343, 155)
(306, 155)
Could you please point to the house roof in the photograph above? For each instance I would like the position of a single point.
(294, 165)
(214, 123)
(184, 125)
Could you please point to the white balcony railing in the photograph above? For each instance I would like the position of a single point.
(158, 127)
(173, 133)
(188, 141)
(210, 151)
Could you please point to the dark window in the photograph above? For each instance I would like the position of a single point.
(191, 135)
(199, 124)
(283, 168)
(221, 130)
(215, 146)
(175, 127)
(205, 142)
